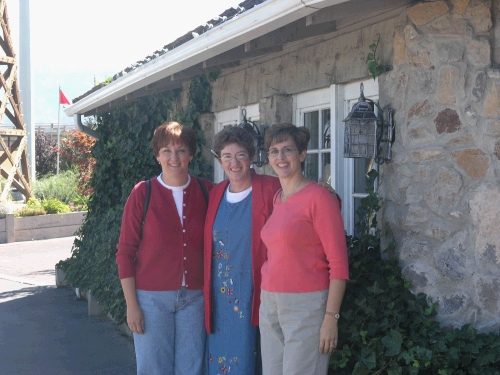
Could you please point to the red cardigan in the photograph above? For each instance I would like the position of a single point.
(167, 248)
(263, 189)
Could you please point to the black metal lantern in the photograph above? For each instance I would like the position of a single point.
(366, 134)
(260, 158)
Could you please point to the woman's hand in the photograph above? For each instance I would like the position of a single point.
(332, 191)
(328, 335)
(135, 319)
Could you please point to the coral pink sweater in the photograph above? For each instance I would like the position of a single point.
(306, 243)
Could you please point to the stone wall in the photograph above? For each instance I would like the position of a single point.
(442, 192)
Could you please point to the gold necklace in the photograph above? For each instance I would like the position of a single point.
(284, 196)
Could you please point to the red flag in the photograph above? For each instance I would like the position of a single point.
(62, 98)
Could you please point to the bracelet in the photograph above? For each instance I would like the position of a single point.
(335, 315)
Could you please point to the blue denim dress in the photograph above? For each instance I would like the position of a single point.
(233, 348)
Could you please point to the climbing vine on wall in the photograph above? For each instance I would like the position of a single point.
(123, 158)
(373, 62)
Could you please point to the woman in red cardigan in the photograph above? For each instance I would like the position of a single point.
(161, 264)
(234, 254)
(304, 277)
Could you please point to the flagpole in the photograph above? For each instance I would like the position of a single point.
(58, 128)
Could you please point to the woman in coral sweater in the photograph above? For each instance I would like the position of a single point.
(160, 263)
(304, 278)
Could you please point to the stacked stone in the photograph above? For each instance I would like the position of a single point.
(442, 192)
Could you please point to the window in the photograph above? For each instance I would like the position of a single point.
(318, 160)
(322, 112)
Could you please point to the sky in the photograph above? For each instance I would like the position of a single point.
(74, 41)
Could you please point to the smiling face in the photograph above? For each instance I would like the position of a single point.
(286, 159)
(236, 162)
(174, 159)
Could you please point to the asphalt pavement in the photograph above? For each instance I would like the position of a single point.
(47, 330)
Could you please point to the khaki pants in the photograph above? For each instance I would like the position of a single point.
(289, 328)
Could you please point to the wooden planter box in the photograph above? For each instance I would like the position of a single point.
(28, 228)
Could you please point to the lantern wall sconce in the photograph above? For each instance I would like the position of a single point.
(366, 135)
(260, 157)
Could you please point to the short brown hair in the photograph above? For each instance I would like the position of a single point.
(234, 134)
(173, 132)
(281, 132)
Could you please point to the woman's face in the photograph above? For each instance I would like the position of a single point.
(174, 159)
(285, 158)
(236, 162)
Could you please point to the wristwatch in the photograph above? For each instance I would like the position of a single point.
(335, 315)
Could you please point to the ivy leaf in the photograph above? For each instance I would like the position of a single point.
(369, 361)
(392, 342)
(394, 371)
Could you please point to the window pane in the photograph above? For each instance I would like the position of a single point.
(357, 218)
(311, 168)
(326, 128)
(360, 166)
(311, 122)
(325, 163)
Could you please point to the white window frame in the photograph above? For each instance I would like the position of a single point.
(337, 97)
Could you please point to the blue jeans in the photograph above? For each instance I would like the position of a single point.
(173, 342)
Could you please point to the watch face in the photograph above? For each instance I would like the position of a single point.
(337, 316)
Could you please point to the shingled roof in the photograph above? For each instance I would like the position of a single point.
(228, 14)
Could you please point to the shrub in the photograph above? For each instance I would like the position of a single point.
(386, 329)
(76, 150)
(55, 206)
(79, 204)
(62, 187)
(29, 211)
(4, 209)
(45, 154)
(46, 206)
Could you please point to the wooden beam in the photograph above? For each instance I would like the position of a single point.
(4, 60)
(364, 20)
(353, 8)
(15, 166)
(17, 132)
(2, 8)
(289, 33)
(219, 63)
(3, 155)
(14, 119)
(9, 50)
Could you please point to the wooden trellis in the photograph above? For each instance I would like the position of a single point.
(14, 166)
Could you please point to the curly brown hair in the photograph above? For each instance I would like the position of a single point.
(233, 134)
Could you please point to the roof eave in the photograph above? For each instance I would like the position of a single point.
(251, 24)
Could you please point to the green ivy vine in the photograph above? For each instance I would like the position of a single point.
(386, 329)
(372, 62)
(123, 158)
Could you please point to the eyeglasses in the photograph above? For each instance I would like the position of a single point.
(287, 151)
(240, 156)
